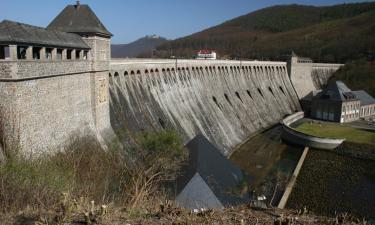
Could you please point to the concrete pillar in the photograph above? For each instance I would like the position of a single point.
(42, 53)
(73, 56)
(63, 56)
(81, 54)
(54, 54)
(13, 52)
(29, 53)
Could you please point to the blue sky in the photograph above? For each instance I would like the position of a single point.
(129, 20)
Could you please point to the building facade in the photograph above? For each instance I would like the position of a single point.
(337, 103)
(54, 82)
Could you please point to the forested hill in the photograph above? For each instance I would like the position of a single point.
(330, 34)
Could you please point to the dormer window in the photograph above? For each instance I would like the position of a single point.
(21, 52)
(78, 54)
(4, 52)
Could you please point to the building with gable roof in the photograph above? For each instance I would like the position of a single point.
(337, 103)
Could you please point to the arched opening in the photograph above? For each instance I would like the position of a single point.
(126, 73)
(260, 92)
(227, 98)
(248, 93)
(132, 72)
(156, 71)
(110, 75)
(238, 96)
(270, 89)
(146, 71)
(116, 74)
(138, 72)
(162, 123)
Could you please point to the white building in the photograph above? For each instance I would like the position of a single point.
(206, 54)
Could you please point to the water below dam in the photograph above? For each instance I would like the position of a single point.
(268, 163)
(328, 183)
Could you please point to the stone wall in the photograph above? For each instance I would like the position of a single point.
(226, 101)
(46, 114)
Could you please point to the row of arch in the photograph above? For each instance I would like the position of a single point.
(208, 68)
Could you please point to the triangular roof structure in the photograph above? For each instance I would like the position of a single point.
(19, 33)
(79, 19)
(337, 91)
(208, 168)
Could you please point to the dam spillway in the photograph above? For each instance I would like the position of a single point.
(224, 100)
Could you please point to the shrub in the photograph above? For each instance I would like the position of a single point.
(86, 171)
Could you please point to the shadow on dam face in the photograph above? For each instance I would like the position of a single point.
(226, 106)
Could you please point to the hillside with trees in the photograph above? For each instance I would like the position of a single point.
(328, 34)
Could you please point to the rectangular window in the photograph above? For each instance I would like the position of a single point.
(49, 53)
(4, 52)
(36, 52)
(78, 54)
(59, 53)
(69, 54)
(85, 54)
(21, 52)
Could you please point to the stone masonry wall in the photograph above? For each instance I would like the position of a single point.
(44, 115)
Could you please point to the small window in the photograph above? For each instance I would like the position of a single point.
(248, 93)
(260, 92)
(282, 90)
(69, 54)
(59, 53)
(227, 98)
(4, 52)
(214, 99)
(85, 55)
(36, 52)
(238, 96)
(78, 54)
(49, 53)
(270, 89)
(21, 52)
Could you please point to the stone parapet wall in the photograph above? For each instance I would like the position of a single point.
(36, 69)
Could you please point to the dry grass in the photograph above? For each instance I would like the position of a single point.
(85, 173)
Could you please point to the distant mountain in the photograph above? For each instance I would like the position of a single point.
(142, 47)
(332, 34)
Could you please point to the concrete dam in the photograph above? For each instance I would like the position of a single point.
(226, 101)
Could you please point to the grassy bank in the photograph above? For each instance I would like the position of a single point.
(338, 131)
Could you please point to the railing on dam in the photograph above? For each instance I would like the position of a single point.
(293, 136)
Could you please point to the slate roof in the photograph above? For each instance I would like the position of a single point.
(79, 19)
(19, 33)
(364, 97)
(337, 91)
(218, 173)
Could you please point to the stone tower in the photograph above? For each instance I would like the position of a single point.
(80, 19)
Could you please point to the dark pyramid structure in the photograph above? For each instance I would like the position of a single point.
(210, 180)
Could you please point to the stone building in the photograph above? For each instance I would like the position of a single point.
(54, 81)
(338, 103)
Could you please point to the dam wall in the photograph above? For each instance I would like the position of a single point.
(224, 100)
(307, 76)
